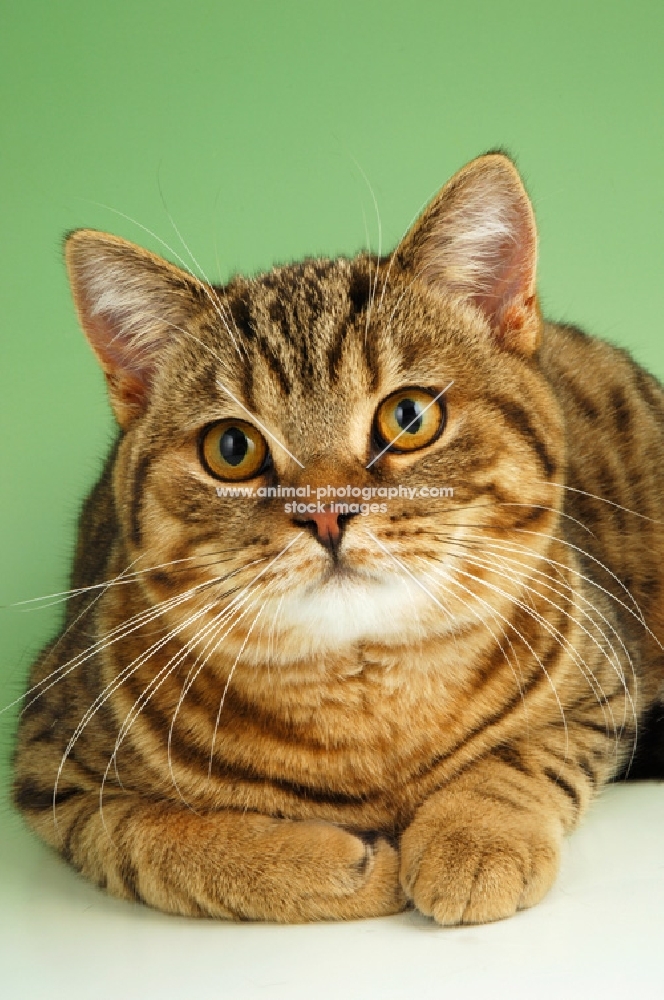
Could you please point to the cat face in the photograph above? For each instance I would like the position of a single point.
(395, 377)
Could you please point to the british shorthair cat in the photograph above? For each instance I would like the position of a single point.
(367, 603)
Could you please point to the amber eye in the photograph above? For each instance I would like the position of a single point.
(409, 419)
(233, 449)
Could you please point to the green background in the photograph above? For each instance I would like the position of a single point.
(254, 126)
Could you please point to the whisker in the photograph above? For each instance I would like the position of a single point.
(629, 697)
(113, 686)
(436, 601)
(117, 633)
(226, 686)
(518, 676)
(518, 550)
(373, 281)
(217, 304)
(124, 578)
(161, 677)
(635, 612)
(393, 255)
(151, 689)
(260, 424)
(506, 503)
(233, 614)
(612, 503)
(419, 415)
(613, 661)
(79, 617)
(204, 284)
(405, 570)
(190, 680)
(456, 582)
(270, 635)
(554, 632)
(515, 548)
(583, 666)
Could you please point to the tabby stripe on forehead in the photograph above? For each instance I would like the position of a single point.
(517, 417)
(314, 301)
(305, 305)
(335, 351)
(359, 295)
(370, 361)
(241, 311)
(275, 365)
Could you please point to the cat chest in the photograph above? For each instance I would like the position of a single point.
(363, 769)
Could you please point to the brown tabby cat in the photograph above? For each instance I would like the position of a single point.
(270, 712)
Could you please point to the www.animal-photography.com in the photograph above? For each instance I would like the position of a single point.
(333, 513)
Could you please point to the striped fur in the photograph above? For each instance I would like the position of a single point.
(418, 721)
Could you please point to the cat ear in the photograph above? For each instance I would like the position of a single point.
(129, 303)
(478, 239)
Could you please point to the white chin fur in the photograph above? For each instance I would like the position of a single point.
(340, 612)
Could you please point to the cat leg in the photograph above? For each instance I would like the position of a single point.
(487, 843)
(222, 864)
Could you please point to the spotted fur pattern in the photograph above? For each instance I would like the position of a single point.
(236, 721)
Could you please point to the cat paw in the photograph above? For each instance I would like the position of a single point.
(473, 868)
(318, 871)
(357, 879)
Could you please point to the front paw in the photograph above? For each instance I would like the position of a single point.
(468, 861)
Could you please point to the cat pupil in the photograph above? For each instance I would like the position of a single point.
(233, 445)
(407, 415)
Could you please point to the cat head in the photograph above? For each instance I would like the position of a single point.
(406, 385)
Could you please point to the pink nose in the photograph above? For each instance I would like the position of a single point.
(328, 530)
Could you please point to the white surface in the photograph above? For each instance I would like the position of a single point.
(600, 933)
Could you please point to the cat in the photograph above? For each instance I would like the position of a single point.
(256, 711)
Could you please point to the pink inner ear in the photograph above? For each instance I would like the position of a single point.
(128, 383)
(128, 369)
(115, 351)
(509, 275)
(128, 301)
(478, 239)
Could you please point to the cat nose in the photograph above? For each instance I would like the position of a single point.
(328, 527)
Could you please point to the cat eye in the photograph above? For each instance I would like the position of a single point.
(233, 449)
(409, 419)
